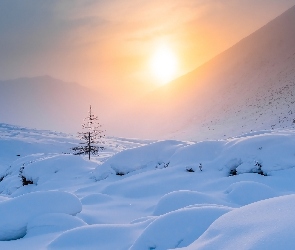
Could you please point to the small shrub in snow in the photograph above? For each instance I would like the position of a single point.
(259, 169)
(201, 167)
(190, 170)
(120, 173)
(162, 164)
(259, 166)
(232, 165)
(233, 172)
(25, 181)
(2, 177)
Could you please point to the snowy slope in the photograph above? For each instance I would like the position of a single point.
(22, 146)
(250, 86)
(140, 194)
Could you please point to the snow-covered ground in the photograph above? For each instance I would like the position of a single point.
(147, 194)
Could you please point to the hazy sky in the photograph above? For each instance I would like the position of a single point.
(108, 44)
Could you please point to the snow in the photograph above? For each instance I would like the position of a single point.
(178, 228)
(184, 198)
(153, 155)
(17, 212)
(52, 222)
(267, 224)
(252, 191)
(154, 203)
(98, 237)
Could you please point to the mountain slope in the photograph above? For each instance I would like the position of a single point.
(248, 87)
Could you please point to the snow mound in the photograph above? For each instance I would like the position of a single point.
(182, 198)
(179, 228)
(154, 155)
(246, 192)
(17, 212)
(46, 171)
(267, 224)
(58, 167)
(119, 237)
(201, 152)
(263, 148)
(53, 222)
(95, 199)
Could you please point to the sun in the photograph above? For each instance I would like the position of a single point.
(163, 64)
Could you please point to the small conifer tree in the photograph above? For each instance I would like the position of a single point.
(92, 137)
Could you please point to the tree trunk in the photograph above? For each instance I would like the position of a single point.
(89, 146)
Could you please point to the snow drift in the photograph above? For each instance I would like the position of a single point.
(17, 212)
(140, 195)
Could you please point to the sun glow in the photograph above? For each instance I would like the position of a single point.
(164, 65)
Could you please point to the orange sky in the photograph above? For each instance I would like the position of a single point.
(108, 45)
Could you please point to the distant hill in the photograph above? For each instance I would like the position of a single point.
(45, 103)
(250, 86)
